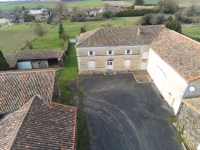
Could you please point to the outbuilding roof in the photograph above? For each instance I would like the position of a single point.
(17, 87)
(11, 60)
(33, 54)
(39, 126)
(39, 54)
(180, 52)
(119, 36)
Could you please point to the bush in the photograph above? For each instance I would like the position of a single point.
(174, 25)
(82, 30)
(29, 45)
(132, 13)
(107, 14)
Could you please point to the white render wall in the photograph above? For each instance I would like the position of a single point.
(173, 84)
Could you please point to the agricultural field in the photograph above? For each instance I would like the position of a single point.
(51, 40)
(84, 3)
(14, 37)
(191, 30)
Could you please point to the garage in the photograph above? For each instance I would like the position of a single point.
(159, 78)
(24, 65)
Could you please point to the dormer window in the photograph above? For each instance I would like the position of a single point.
(128, 51)
(110, 52)
(91, 53)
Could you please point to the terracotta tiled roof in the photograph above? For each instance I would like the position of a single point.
(119, 36)
(10, 125)
(180, 52)
(16, 87)
(143, 7)
(47, 127)
(11, 60)
(196, 92)
(39, 126)
(39, 54)
(194, 103)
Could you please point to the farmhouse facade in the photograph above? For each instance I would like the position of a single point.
(118, 49)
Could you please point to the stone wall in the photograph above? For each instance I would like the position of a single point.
(188, 123)
(100, 58)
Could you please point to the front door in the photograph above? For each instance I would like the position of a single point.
(109, 65)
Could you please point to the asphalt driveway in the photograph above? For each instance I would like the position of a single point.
(125, 115)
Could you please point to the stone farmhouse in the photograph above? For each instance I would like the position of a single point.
(171, 59)
(28, 117)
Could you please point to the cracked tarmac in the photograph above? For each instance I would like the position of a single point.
(125, 115)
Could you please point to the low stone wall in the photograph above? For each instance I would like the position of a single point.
(188, 123)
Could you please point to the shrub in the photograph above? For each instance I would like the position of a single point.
(174, 25)
(132, 13)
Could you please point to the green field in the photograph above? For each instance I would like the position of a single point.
(70, 5)
(51, 40)
(192, 31)
(13, 38)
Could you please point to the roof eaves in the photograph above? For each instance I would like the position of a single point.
(88, 36)
(19, 126)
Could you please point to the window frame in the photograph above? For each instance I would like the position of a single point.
(93, 53)
(126, 52)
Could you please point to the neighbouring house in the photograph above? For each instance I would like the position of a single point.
(33, 11)
(120, 8)
(139, 7)
(3, 20)
(113, 9)
(39, 14)
(28, 117)
(93, 12)
(36, 59)
(10, 18)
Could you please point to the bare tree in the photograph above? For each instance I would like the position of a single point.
(40, 31)
(62, 9)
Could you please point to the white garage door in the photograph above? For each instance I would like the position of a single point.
(159, 78)
(24, 65)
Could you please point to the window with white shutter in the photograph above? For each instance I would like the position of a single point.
(128, 51)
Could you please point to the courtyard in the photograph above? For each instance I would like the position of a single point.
(123, 114)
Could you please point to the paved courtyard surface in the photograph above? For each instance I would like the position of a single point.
(125, 115)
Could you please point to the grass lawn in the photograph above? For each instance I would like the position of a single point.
(51, 40)
(193, 31)
(69, 73)
(13, 38)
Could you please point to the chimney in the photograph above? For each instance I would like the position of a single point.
(139, 31)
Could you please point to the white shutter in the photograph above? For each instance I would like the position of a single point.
(94, 53)
(107, 52)
(91, 64)
(125, 51)
(112, 52)
(131, 51)
(127, 62)
(88, 53)
(145, 55)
